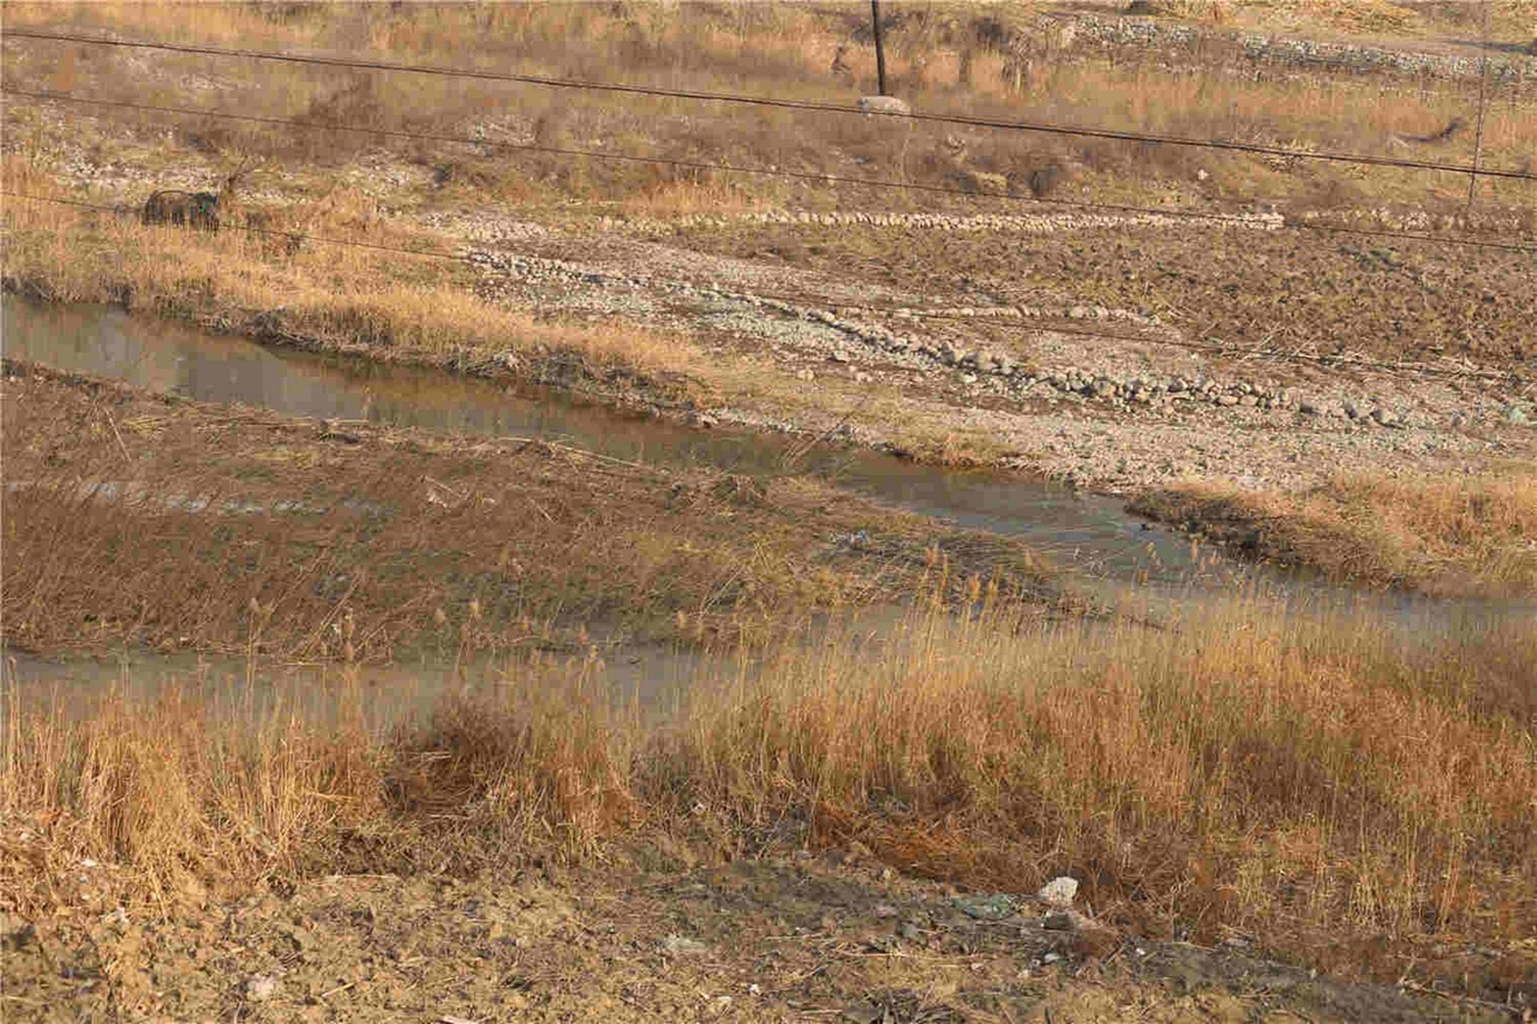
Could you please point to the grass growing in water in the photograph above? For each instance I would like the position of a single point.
(148, 520)
(1442, 534)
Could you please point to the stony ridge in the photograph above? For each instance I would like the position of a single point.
(983, 368)
(1035, 224)
(1094, 31)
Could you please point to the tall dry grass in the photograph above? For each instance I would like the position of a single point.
(1439, 533)
(1331, 789)
(975, 59)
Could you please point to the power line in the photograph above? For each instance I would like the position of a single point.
(766, 101)
(813, 176)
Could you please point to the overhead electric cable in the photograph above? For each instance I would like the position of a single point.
(1246, 220)
(1077, 131)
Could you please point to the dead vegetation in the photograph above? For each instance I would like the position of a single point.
(1018, 62)
(371, 294)
(1328, 790)
(146, 520)
(1443, 534)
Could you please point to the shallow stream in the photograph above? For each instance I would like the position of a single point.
(1105, 552)
(105, 341)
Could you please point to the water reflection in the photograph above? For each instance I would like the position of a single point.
(1112, 555)
(1091, 531)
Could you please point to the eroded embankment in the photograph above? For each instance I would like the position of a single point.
(141, 518)
(378, 300)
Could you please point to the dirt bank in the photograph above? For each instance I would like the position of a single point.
(1470, 535)
(274, 532)
(808, 938)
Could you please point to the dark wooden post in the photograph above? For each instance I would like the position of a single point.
(880, 49)
(1478, 135)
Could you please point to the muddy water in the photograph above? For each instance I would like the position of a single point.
(650, 678)
(1113, 556)
(1091, 532)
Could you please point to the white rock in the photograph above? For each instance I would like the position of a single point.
(261, 988)
(1060, 891)
(884, 105)
(679, 945)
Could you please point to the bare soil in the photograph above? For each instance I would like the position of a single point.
(655, 937)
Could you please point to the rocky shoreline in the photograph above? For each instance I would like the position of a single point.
(851, 338)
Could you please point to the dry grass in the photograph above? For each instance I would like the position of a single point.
(1443, 534)
(140, 519)
(325, 296)
(1343, 796)
(976, 59)
(1435, 19)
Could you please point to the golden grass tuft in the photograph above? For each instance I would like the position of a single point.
(1439, 533)
(323, 295)
(1320, 784)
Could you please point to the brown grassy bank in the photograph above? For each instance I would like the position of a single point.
(137, 518)
(394, 308)
(1441, 534)
(1329, 792)
(390, 305)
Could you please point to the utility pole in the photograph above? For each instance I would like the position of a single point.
(1483, 102)
(880, 49)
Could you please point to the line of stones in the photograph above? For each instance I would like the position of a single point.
(1037, 224)
(974, 364)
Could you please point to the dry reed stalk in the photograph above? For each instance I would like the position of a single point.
(1444, 534)
(211, 511)
(1311, 781)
